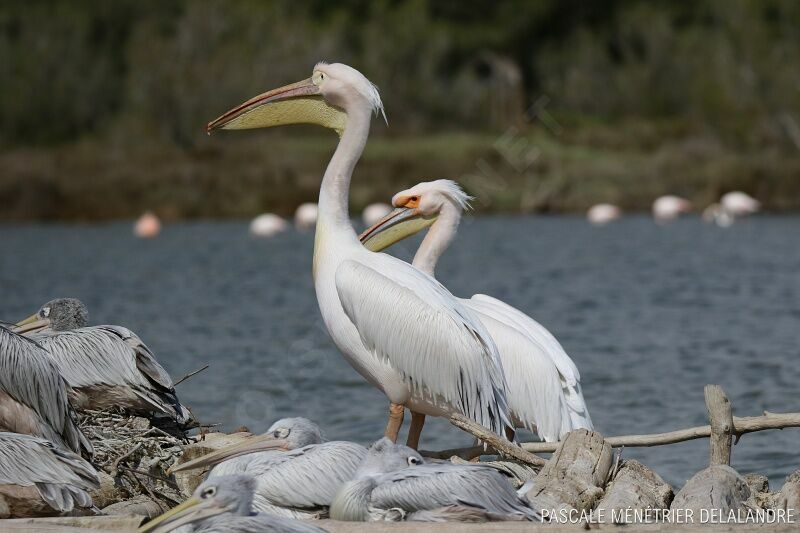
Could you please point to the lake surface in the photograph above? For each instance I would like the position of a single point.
(649, 313)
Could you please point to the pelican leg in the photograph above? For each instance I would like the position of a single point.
(396, 412)
(417, 421)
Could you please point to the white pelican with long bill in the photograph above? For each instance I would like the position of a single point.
(396, 326)
(544, 384)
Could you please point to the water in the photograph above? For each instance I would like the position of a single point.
(650, 314)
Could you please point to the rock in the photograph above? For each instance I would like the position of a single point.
(575, 475)
(189, 480)
(759, 490)
(717, 487)
(138, 505)
(789, 495)
(634, 487)
(107, 493)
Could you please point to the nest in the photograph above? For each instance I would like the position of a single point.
(135, 454)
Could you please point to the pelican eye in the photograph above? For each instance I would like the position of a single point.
(317, 78)
(208, 492)
(414, 461)
(281, 433)
(45, 312)
(414, 198)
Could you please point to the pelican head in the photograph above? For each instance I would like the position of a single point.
(285, 434)
(61, 314)
(223, 494)
(324, 99)
(416, 209)
(385, 456)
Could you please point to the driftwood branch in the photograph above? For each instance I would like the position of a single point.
(501, 445)
(720, 416)
(190, 375)
(741, 425)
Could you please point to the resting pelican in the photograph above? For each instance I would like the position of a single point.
(147, 226)
(738, 203)
(394, 483)
(305, 216)
(37, 478)
(666, 208)
(374, 212)
(602, 214)
(397, 327)
(267, 225)
(224, 504)
(33, 395)
(544, 392)
(105, 366)
(297, 474)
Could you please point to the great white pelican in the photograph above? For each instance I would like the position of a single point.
(544, 390)
(396, 326)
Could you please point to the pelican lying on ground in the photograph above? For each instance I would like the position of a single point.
(224, 504)
(394, 483)
(399, 328)
(106, 366)
(34, 395)
(297, 474)
(38, 479)
(544, 392)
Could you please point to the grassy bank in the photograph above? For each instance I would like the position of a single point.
(241, 174)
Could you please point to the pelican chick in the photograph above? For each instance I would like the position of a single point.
(105, 366)
(37, 478)
(544, 389)
(394, 483)
(296, 473)
(34, 395)
(224, 504)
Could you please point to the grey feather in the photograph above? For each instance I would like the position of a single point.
(30, 378)
(62, 478)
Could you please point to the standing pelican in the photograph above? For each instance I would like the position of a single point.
(224, 504)
(105, 366)
(544, 391)
(297, 474)
(394, 483)
(397, 327)
(669, 207)
(37, 478)
(33, 395)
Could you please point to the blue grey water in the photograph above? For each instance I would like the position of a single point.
(649, 313)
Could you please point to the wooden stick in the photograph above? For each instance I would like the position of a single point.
(189, 375)
(741, 425)
(720, 415)
(501, 445)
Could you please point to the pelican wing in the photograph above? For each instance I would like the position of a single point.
(303, 479)
(260, 523)
(30, 377)
(61, 477)
(432, 486)
(570, 376)
(411, 321)
(113, 356)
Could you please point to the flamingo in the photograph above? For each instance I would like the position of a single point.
(267, 225)
(544, 383)
(738, 203)
(669, 207)
(602, 214)
(147, 226)
(305, 216)
(399, 328)
(374, 212)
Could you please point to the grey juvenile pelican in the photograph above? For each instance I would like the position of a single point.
(396, 326)
(37, 479)
(297, 474)
(224, 504)
(544, 389)
(394, 483)
(33, 395)
(106, 366)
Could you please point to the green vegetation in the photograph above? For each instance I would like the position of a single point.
(549, 106)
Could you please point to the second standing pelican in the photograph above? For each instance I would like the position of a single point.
(544, 383)
(399, 328)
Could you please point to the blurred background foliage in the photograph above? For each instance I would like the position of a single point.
(103, 104)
